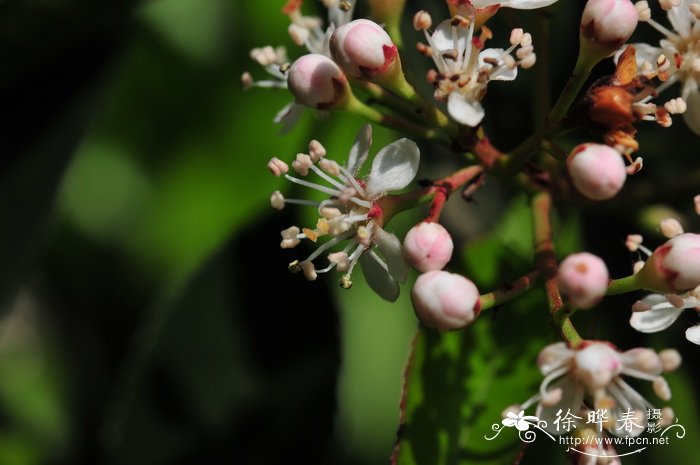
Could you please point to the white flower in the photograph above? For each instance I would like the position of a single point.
(656, 312)
(594, 370)
(680, 49)
(306, 31)
(464, 67)
(353, 215)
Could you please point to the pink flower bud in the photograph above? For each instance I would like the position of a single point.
(609, 23)
(317, 82)
(428, 247)
(597, 171)
(673, 267)
(363, 49)
(445, 300)
(596, 366)
(583, 279)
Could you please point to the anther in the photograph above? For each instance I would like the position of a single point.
(277, 200)
(277, 167)
(346, 282)
(643, 10)
(294, 267)
(302, 164)
(422, 20)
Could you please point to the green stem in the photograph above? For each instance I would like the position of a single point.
(512, 291)
(623, 285)
(357, 107)
(513, 161)
(384, 97)
(396, 82)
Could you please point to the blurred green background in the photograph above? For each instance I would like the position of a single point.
(146, 314)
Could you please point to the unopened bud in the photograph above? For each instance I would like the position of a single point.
(583, 279)
(674, 267)
(444, 300)
(363, 49)
(608, 23)
(317, 82)
(597, 171)
(428, 247)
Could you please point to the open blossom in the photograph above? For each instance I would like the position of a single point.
(353, 216)
(594, 371)
(305, 31)
(465, 67)
(680, 49)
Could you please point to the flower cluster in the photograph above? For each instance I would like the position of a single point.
(355, 65)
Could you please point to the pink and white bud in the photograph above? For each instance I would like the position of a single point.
(363, 49)
(674, 267)
(428, 247)
(597, 170)
(609, 23)
(317, 82)
(445, 300)
(596, 366)
(583, 279)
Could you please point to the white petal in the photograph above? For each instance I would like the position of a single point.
(464, 110)
(378, 277)
(571, 399)
(692, 114)
(627, 401)
(661, 316)
(518, 4)
(442, 38)
(360, 149)
(497, 54)
(553, 357)
(693, 334)
(393, 168)
(390, 245)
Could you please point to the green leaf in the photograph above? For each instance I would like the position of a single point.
(460, 382)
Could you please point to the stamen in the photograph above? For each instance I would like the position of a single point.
(328, 245)
(348, 177)
(670, 34)
(326, 177)
(551, 377)
(318, 187)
